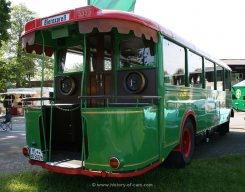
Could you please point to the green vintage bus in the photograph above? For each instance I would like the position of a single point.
(238, 96)
(128, 94)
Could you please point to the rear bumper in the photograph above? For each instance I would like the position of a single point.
(73, 171)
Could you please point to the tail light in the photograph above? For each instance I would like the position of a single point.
(25, 151)
(114, 163)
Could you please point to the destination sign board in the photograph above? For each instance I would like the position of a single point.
(55, 19)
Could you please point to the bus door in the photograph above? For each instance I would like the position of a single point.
(100, 69)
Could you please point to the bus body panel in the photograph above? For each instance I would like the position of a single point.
(238, 96)
(129, 134)
(209, 106)
(32, 122)
(110, 132)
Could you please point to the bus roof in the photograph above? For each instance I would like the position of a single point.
(104, 21)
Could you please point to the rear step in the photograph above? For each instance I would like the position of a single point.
(75, 164)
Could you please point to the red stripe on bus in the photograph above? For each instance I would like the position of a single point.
(72, 171)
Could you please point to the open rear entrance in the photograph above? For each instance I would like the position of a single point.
(66, 138)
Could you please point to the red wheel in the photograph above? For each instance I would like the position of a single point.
(187, 142)
(179, 158)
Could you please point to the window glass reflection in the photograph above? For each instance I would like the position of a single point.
(174, 64)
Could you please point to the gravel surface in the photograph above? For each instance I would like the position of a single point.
(11, 143)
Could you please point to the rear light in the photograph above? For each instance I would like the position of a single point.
(114, 163)
(103, 174)
(25, 151)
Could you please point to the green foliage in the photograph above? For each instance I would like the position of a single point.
(224, 174)
(5, 76)
(17, 67)
(48, 68)
(22, 64)
(4, 20)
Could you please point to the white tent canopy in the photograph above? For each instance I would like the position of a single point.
(24, 91)
(28, 91)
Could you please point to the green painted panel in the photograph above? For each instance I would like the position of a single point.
(33, 138)
(59, 33)
(210, 108)
(130, 134)
(238, 96)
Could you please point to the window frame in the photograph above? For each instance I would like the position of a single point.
(164, 39)
(119, 39)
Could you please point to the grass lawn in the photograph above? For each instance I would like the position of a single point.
(203, 175)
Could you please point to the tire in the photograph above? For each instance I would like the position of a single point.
(183, 157)
(224, 128)
(187, 142)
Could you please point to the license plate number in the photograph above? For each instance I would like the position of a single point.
(36, 154)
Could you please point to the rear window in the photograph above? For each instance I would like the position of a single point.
(136, 52)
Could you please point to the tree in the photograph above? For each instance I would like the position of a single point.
(48, 68)
(21, 65)
(4, 20)
(17, 61)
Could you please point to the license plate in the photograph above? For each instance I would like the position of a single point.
(36, 154)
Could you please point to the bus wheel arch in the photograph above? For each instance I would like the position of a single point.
(189, 116)
(183, 153)
(187, 141)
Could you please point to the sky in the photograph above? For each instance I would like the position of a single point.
(215, 26)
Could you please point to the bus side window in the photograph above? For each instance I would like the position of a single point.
(227, 80)
(174, 63)
(209, 74)
(195, 70)
(220, 81)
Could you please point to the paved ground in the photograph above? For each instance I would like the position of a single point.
(11, 143)
(231, 143)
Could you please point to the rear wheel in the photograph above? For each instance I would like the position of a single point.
(187, 142)
(185, 153)
(224, 128)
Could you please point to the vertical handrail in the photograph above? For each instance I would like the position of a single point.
(83, 142)
(82, 93)
(50, 129)
(43, 57)
(84, 64)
